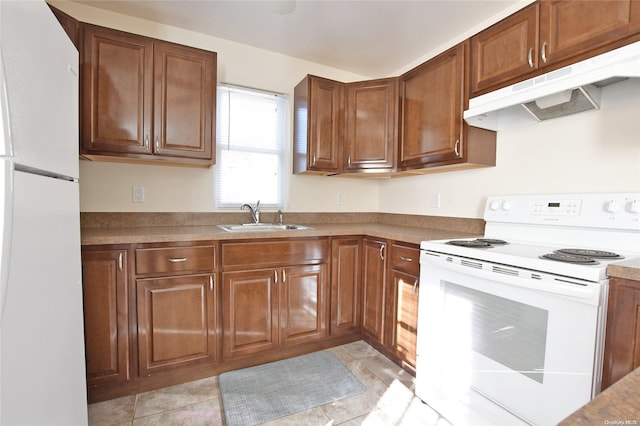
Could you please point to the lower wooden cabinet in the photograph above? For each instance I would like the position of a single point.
(106, 315)
(176, 322)
(282, 301)
(405, 320)
(346, 285)
(373, 288)
(270, 308)
(250, 306)
(622, 344)
(402, 302)
(275, 298)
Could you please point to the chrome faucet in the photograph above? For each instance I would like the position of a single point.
(255, 212)
(280, 217)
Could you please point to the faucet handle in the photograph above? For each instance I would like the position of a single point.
(280, 217)
(258, 205)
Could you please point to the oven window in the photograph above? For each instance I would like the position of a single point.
(511, 333)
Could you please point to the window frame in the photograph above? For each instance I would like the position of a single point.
(224, 141)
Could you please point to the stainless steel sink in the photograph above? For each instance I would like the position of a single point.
(261, 227)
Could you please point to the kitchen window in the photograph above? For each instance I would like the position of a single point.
(250, 147)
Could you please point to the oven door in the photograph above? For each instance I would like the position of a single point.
(492, 344)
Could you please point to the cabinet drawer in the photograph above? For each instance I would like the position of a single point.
(406, 259)
(174, 260)
(273, 253)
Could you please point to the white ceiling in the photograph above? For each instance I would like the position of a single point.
(371, 38)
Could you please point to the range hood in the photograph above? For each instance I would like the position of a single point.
(583, 86)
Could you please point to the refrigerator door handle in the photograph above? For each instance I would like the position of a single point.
(6, 147)
(6, 222)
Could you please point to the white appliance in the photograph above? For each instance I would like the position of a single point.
(508, 331)
(584, 86)
(42, 377)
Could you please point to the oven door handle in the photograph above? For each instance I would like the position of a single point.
(561, 286)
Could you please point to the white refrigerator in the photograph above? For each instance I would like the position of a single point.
(42, 365)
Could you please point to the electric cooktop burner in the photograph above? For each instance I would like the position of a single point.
(570, 258)
(596, 254)
(493, 241)
(477, 243)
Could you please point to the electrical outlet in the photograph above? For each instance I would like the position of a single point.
(138, 194)
(339, 199)
(435, 200)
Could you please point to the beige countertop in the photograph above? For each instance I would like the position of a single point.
(619, 404)
(627, 269)
(154, 234)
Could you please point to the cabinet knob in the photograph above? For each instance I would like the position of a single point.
(530, 57)
(456, 148)
(177, 259)
(120, 259)
(146, 142)
(382, 251)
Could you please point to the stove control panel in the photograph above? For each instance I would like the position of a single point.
(600, 210)
(569, 207)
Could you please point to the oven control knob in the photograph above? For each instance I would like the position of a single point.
(634, 206)
(506, 205)
(494, 205)
(611, 206)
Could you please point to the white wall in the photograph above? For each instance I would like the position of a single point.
(596, 151)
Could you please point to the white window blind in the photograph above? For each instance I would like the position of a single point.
(250, 163)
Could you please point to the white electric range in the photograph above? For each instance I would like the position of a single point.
(511, 325)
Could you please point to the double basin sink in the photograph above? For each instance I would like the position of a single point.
(261, 227)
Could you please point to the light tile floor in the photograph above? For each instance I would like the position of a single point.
(388, 400)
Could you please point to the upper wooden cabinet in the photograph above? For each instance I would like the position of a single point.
(344, 127)
(548, 34)
(431, 129)
(506, 50)
(432, 101)
(318, 111)
(370, 128)
(145, 99)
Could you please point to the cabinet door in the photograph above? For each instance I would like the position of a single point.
(303, 304)
(106, 321)
(405, 315)
(184, 101)
(374, 274)
(250, 312)
(432, 100)
(318, 109)
(622, 345)
(176, 322)
(370, 124)
(346, 255)
(570, 28)
(505, 51)
(116, 93)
